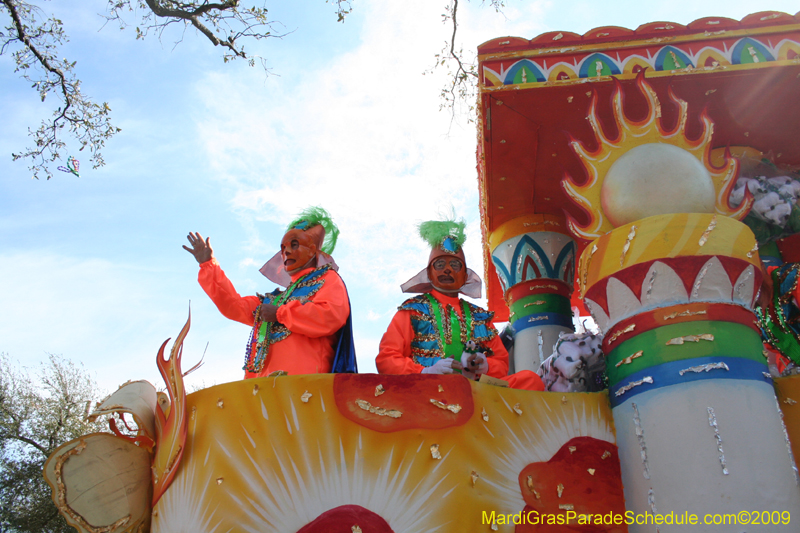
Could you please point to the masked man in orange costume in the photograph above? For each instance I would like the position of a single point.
(439, 333)
(305, 329)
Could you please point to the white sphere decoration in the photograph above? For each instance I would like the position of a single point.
(656, 179)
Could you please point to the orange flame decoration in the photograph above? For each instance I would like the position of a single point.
(139, 438)
(171, 424)
(631, 134)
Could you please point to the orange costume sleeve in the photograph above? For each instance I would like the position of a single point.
(221, 291)
(498, 363)
(394, 352)
(324, 314)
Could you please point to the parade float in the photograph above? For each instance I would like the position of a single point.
(647, 176)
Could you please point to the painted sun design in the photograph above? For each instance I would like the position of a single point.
(632, 136)
(307, 485)
(184, 507)
(537, 439)
(281, 463)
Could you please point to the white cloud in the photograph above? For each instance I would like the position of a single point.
(362, 137)
(250, 262)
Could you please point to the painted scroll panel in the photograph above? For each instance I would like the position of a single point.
(260, 458)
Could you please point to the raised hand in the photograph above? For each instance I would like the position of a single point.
(201, 249)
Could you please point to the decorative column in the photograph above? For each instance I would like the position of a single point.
(698, 426)
(535, 260)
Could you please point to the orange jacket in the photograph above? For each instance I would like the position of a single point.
(310, 347)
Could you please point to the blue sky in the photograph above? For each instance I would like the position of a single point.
(92, 267)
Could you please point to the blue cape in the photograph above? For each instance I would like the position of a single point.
(344, 360)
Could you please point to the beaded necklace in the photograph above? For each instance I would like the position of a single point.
(444, 326)
(256, 351)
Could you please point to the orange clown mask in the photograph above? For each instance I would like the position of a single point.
(298, 250)
(447, 266)
(308, 243)
(447, 271)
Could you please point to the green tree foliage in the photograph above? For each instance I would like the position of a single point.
(34, 40)
(38, 413)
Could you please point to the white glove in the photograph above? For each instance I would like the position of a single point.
(474, 364)
(442, 366)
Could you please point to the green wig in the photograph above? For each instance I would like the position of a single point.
(446, 234)
(317, 216)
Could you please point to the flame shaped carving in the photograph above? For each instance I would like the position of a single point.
(634, 133)
(170, 420)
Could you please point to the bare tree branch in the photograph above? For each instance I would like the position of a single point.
(35, 40)
(45, 451)
(193, 13)
(461, 87)
(224, 23)
(36, 44)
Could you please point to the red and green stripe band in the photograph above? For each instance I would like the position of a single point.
(730, 340)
